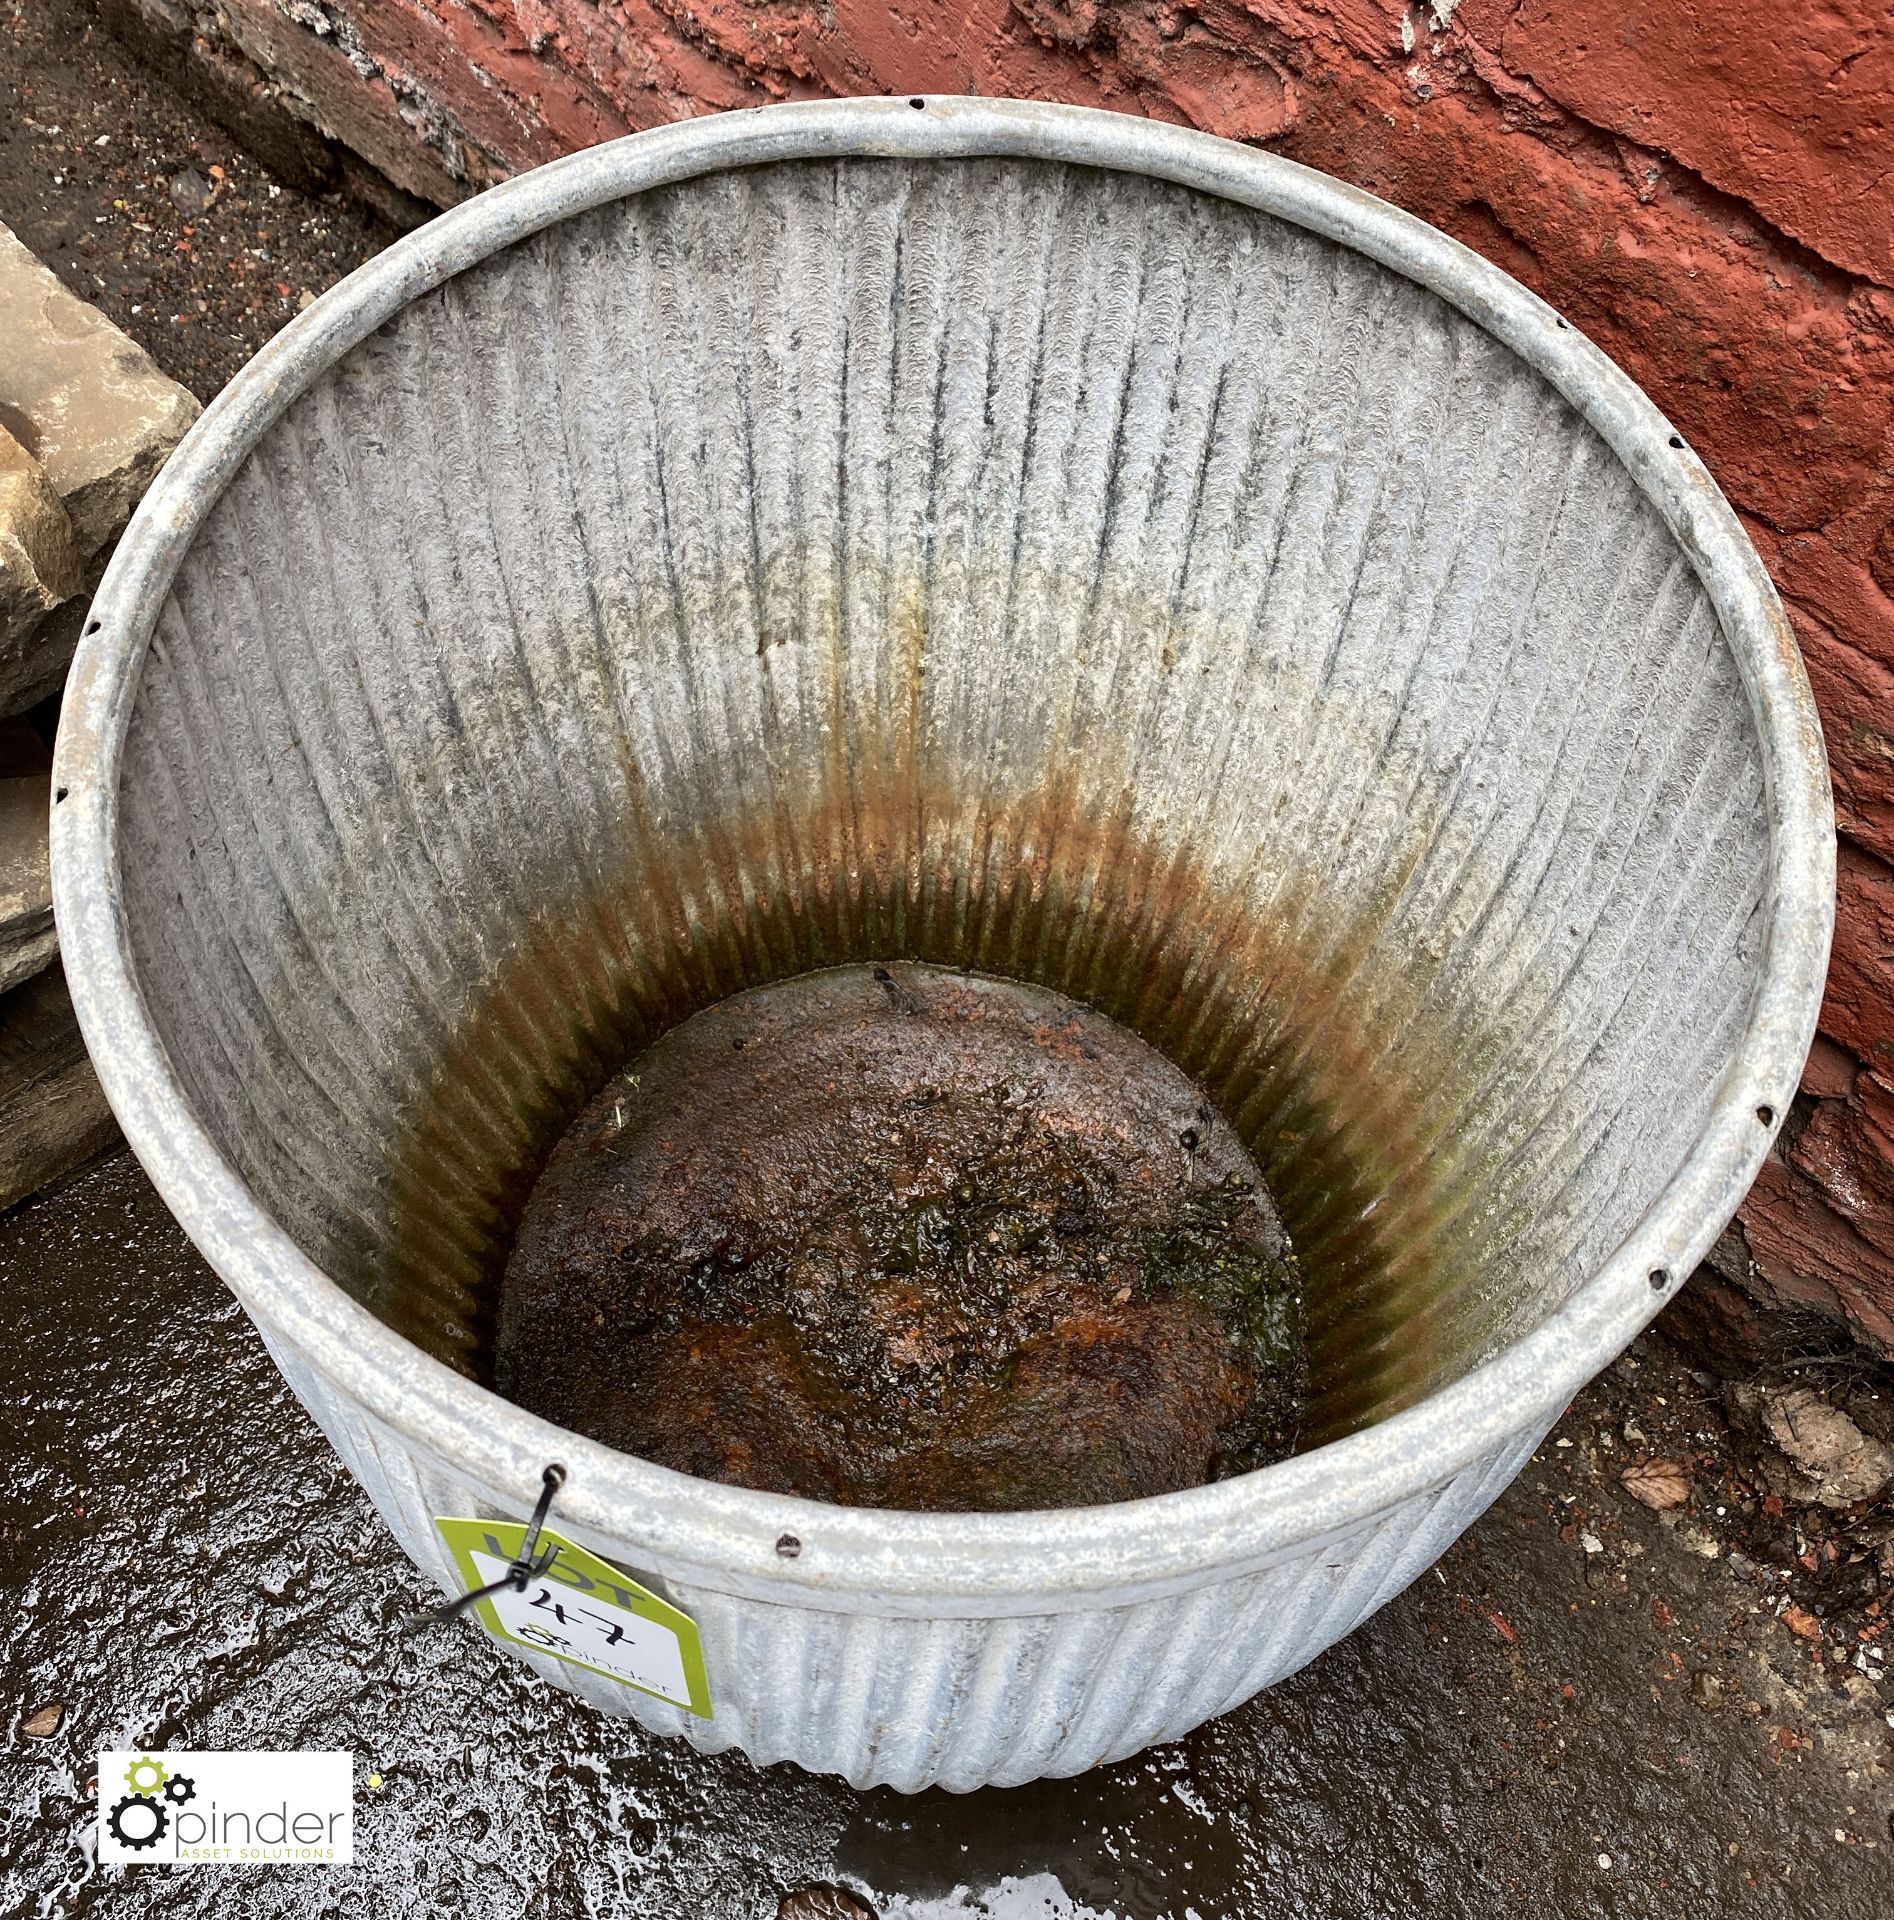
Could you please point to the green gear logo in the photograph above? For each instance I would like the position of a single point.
(146, 1775)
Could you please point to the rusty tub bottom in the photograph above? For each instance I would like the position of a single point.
(908, 1237)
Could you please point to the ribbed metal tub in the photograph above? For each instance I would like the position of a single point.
(1007, 536)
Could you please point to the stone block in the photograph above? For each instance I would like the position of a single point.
(87, 403)
(53, 1115)
(27, 940)
(39, 557)
(86, 421)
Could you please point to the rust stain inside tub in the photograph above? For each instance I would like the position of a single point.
(903, 1236)
(1342, 1076)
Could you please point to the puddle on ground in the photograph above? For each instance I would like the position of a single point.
(909, 1237)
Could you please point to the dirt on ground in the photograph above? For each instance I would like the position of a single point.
(905, 1237)
(1701, 1459)
(149, 210)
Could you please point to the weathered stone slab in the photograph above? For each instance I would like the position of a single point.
(35, 664)
(27, 940)
(53, 1115)
(39, 558)
(86, 402)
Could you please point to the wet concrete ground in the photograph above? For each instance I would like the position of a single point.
(1530, 1727)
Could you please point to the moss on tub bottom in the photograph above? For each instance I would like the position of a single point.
(899, 1236)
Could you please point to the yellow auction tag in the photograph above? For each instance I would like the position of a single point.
(582, 1610)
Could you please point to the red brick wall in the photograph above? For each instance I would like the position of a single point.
(1707, 188)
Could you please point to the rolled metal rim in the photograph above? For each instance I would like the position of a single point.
(899, 1561)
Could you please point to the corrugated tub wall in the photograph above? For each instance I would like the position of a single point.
(1007, 563)
(1032, 569)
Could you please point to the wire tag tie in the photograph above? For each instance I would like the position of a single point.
(527, 1565)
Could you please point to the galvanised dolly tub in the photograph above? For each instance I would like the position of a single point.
(997, 534)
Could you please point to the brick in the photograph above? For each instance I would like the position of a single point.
(1861, 968)
(1809, 1256)
(1788, 114)
(1855, 692)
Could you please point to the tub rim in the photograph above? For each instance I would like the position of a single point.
(862, 1559)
